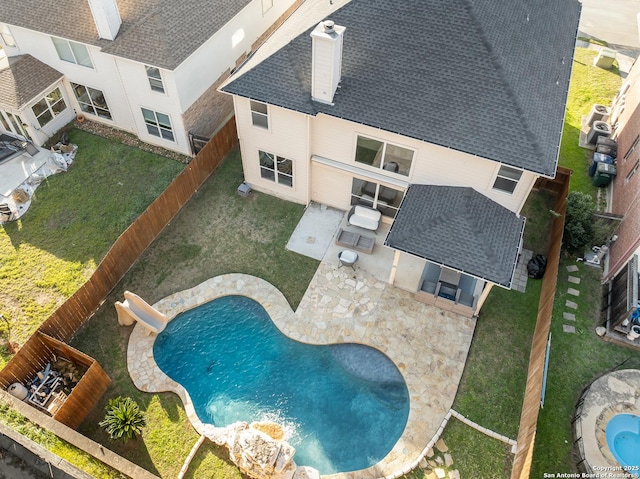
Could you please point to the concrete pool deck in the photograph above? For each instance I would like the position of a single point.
(428, 345)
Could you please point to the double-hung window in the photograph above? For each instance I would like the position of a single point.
(155, 79)
(49, 107)
(383, 155)
(507, 179)
(276, 168)
(72, 52)
(259, 114)
(158, 124)
(91, 101)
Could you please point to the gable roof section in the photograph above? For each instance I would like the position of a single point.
(22, 78)
(485, 77)
(459, 228)
(162, 33)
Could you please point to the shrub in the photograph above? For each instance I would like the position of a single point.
(124, 419)
(578, 226)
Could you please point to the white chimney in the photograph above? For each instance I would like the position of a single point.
(326, 60)
(106, 17)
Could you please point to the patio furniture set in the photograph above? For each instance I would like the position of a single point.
(363, 217)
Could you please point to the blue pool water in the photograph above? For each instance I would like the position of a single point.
(343, 406)
(623, 438)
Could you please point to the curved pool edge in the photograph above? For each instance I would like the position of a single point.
(427, 415)
(609, 395)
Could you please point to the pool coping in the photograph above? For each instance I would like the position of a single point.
(614, 393)
(419, 434)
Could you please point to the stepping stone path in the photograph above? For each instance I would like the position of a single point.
(438, 463)
(567, 316)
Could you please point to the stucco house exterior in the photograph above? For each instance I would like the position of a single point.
(440, 115)
(148, 67)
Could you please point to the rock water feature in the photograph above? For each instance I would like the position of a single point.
(259, 450)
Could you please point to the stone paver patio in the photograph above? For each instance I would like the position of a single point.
(428, 345)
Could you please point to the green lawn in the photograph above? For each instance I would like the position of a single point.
(575, 361)
(217, 232)
(492, 387)
(589, 85)
(74, 218)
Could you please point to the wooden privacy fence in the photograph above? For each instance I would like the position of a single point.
(60, 327)
(41, 349)
(533, 390)
(66, 320)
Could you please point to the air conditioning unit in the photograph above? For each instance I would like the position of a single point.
(598, 113)
(598, 129)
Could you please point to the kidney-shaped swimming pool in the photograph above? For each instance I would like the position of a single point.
(343, 406)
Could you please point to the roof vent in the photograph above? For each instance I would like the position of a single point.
(326, 60)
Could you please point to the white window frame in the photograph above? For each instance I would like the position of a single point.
(155, 82)
(54, 112)
(503, 176)
(259, 117)
(60, 43)
(91, 107)
(376, 200)
(159, 126)
(273, 173)
(266, 6)
(15, 124)
(7, 36)
(383, 167)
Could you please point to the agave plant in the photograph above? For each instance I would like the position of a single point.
(124, 419)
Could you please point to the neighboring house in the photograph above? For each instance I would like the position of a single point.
(441, 115)
(622, 285)
(148, 67)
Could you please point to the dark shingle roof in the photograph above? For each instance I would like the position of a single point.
(22, 78)
(459, 228)
(485, 77)
(162, 33)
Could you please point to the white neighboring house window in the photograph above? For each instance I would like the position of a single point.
(158, 124)
(49, 107)
(91, 101)
(507, 179)
(7, 36)
(155, 79)
(276, 168)
(13, 124)
(259, 114)
(72, 52)
(266, 6)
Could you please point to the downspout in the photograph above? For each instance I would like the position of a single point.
(308, 160)
(124, 90)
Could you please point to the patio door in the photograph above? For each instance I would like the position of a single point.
(13, 124)
(374, 195)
